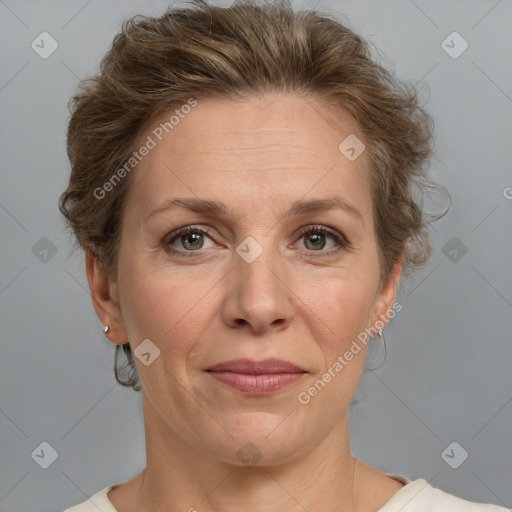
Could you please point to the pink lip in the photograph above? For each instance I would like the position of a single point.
(256, 367)
(256, 377)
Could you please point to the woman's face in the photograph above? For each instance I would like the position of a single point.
(289, 270)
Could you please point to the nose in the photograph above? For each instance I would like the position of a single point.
(260, 295)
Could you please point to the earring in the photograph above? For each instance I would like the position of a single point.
(106, 328)
(381, 334)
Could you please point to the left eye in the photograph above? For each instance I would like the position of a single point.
(315, 238)
(191, 239)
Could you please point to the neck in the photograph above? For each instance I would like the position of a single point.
(179, 476)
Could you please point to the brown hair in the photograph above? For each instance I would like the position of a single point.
(247, 49)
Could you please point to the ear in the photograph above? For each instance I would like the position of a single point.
(386, 296)
(105, 299)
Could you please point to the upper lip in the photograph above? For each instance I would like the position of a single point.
(249, 366)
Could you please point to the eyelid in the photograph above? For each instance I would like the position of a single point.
(185, 230)
(319, 228)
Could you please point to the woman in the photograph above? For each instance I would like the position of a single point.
(243, 185)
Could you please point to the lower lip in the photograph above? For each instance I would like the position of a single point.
(261, 384)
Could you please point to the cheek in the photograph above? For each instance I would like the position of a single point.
(342, 302)
(167, 307)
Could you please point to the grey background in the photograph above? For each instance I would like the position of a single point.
(447, 376)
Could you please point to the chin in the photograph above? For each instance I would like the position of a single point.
(260, 439)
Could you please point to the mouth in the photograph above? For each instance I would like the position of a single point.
(256, 377)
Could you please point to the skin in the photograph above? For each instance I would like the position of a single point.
(301, 300)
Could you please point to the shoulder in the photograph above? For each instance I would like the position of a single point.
(420, 496)
(98, 502)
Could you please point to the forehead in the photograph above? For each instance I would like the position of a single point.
(275, 146)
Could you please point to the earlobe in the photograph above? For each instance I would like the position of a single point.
(105, 300)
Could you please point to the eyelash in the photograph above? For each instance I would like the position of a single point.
(340, 240)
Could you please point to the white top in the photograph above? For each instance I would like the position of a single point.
(415, 496)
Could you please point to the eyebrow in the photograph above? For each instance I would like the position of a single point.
(219, 209)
